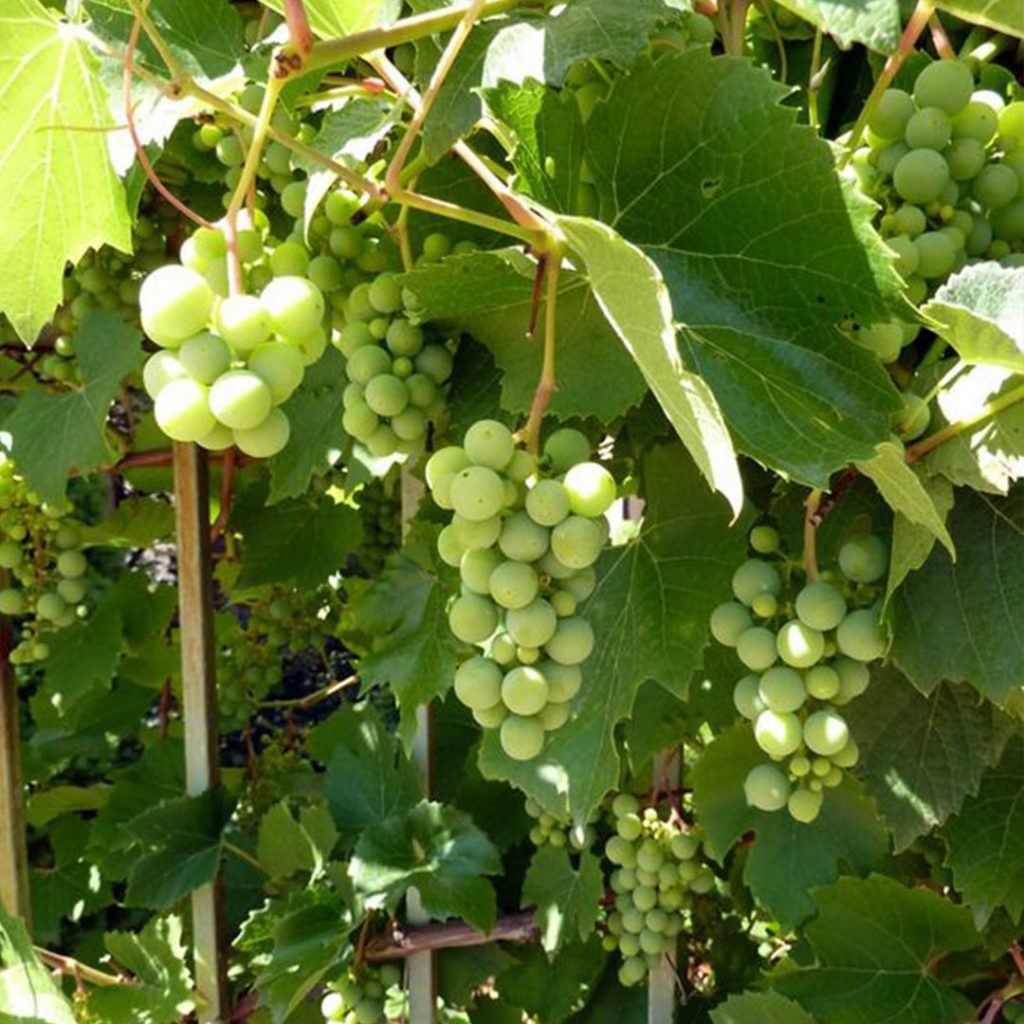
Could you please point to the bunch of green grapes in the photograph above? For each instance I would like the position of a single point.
(227, 362)
(525, 546)
(40, 551)
(807, 645)
(947, 164)
(360, 998)
(549, 829)
(658, 867)
(380, 510)
(279, 770)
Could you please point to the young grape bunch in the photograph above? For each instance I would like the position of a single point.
(380, 511)
(657, 870)
(556, 832)
(807, 646)
(361, 998)
(41, 555)
(524, 536)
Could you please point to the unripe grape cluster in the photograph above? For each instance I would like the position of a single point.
(558, 833)
(40, 549)
(525, 537)
(658, 868)
(380, 511)
(361, 998)
(947, 163)
(807, 645)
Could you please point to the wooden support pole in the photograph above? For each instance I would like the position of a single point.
(14, 888)
(199, 708)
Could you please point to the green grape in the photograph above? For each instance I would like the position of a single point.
(921, 175)
(889, 118)
(864, 559)
(910, 220)
(203, 357)
(577, 542)
(174, 303)
(1011, 126)
(976, 121)
(472, 618)
(240, 399)
(804, 805)
(477, 493)
(325, 273)
(966, 158)
(746, 697)
(295, 306)
(729, 621)
(820, 606)
(778, 735)
(532, 626)
(996, 186)
(161, 368)
(936, 254)
(489, 443)
(50, 606)
(1008, 221)
(242, 322)
(848, 756)
(436, 246)
(906, 255)
(441, 470)
(885, 340)
(513, 584)
(71, 564)
(799, 645)
(766, 788)
(756, 649)
(854, 678)
(386, 395)
(406, 339)
(915, 417)
(929, 128)
(572, 643)
(755, 577)
(591, 489)
(478, 683)
(182, 410)
(476, 535)
(522, 739)
(826, 733)
(822, 682)
(359, 421)
(566, 448)
(289, 259)
(581, 584)
(524, 690)
(218, 439)
(859, 636)
(280, 367)
(409, 425)
(385, 293)
(946, 84)
(553, 716)
(523, 540)
(764, 540)
(781, 690)
(12, 602)
(422, 390)
(564, 681)
(547, 503)
(267, 438)
(522, 466)
(10, 554)
(476, 568)
(435, 361)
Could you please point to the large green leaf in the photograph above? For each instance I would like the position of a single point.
(787, 858)
(760, 1008)
(986, 840)
(979, 312)
(542, 48)
(286, 845)
(567, 896)
(59, 195)
(875, 23)
(922, 756)
(1002, 15)
(398, 624)
(632, 294)
(136, 523)
(57, 433)
(912, 543)
(549, 987)
(877, 944)
(84, 656)
(439, 851)
(962, 622)
(650, 617)
(490, 296)
(683, 154)
(28, 994)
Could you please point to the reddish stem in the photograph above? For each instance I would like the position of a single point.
(943, 47)
(298, 25)
(164, 713)
(226, 487)
(538, 291)
(129, 71)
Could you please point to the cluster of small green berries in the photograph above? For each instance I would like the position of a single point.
(551, 830)
(807, 646)
(40, 549)
(525, 543)
(380, 510)
(278, 771)
(657, 869)
(361, 998)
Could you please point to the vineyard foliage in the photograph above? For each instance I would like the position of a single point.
(627, 396)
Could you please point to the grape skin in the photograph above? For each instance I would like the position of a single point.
(766, 788)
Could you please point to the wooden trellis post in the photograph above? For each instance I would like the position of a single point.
(199, 708)
(14, 888)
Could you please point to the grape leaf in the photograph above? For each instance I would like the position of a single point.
(548, 134)
(398, 624)
(161, 990)
(759, 1008)
(787, 858)
(986, 840)
(136, 523)
(681, 154)
(286, 846)
(331, 19)
(28, 993)
(54, 434)
(922, 756)
(989, 456)
(961, 622)
(181, 839)
(877, 944)
(650, 617)
(979, 312)
(1002, 15)
(59, 195)
(489, 296)
(911, 542)
(567, 898)
(632, 294)
(461, 972)
(542, 48)
(45, 805)
(439, 851)
(550, 987)
(317, 437)
(84, 656)
(904, 492)
(875, 23)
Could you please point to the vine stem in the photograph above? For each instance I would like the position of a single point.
(244, 855)
(226, 490)
(298, 25)
(82, 971)
(923, 447)
(814, 81)
(947, 378)
(547, 385)
(312, 699)
(915, 26)
(451, 935)
(811, 523)
(943, 47)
